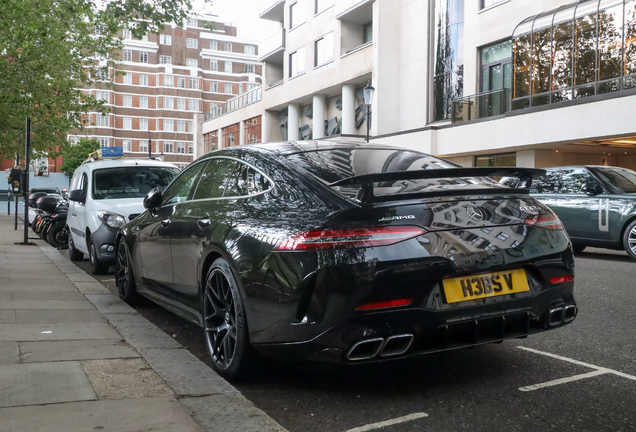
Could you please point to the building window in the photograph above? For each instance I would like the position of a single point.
(367, 33)
(128, 78)
(214, 65)
(101, 75)
(192, 62)
(102, 96)
(168, 102)
(193, 105)
(498, 160)
(103, 142)
(190, 148)
(168, 147)
(143, 101)
(324, 50)
(321, 5)
(181, 82)
(193, 83)
(144, 38)
(127, 100)
(488, 3)
(168, 80)
(143, 146)
(214, 86)
(296, 15)
(448, 67)
(230, 139)
(297, 62)
(227, 46)
(214, 45)
(126, 34)
(127, 55)
(181, 104)
(128, 123)
(102, 120)
(163, 59)
(165, 39)
(143, 79)
(143, 56)
(143, 124)
(127, 145)
(192, 43)
(228, 88)
(193, 22)
(180, 147)
(250, 68)
(249, 49)
(168, 125)
(228, 67)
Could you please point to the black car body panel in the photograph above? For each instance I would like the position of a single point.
(302, 303)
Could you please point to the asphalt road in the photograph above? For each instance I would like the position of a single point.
(578, 378)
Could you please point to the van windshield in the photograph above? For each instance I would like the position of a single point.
(130, 182)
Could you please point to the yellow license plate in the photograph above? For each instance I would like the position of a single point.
(485, 285)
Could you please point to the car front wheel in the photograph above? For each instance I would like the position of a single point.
(225, 325)
(124, 276)
(629, 239)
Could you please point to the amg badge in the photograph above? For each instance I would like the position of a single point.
(392, 218)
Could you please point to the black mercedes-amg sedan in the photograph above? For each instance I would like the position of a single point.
(347, 253)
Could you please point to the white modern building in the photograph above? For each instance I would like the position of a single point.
(481, 82)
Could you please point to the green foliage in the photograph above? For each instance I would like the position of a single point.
(74, 155)
(48, 51)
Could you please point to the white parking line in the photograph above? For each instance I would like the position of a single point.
(598, 370)
(386, 423)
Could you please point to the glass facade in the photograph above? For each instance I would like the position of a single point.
(448, 64)
(581, 49)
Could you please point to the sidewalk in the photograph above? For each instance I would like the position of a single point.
(73, 357)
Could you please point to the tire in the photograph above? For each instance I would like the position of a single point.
(225, 324)
(73, 253)
(124, 276)
(97, 267)
(629, 239)
(577, 248)
(58, 236)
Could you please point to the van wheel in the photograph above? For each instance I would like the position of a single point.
(73, 253)
(97, 267)
(629, 239)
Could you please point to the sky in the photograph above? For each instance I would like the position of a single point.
(243, 14)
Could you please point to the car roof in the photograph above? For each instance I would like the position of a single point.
(127, 162)
(579, 166)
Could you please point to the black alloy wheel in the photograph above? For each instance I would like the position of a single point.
(58, 236)
(97, 267)
(224, 322)
(73, 253)
(124, 276)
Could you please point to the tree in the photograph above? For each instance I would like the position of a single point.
(51, 49)
(74, 155)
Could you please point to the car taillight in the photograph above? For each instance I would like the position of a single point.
(561, 279)
(349, 238)
(385, 304)
(548, 221)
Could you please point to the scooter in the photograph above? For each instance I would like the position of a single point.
(51, 225)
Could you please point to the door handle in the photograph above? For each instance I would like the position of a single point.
(165, 222)
(204, 222)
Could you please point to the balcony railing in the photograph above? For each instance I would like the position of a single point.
(482, 105)
(272, 45)
(248, 98)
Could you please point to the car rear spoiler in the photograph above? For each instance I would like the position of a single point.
(366, 181)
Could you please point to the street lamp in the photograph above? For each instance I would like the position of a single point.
(368, 99)
(149, 146)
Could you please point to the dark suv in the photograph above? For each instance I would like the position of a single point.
(597, 204)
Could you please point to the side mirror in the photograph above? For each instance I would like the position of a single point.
(153, 199)
(591, 189)
(77, 195)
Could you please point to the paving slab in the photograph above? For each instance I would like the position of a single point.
(109, 304)
(43, 383)
(160, 414)
(140, 332)
(80, 277)
(46, 304)
(44, 271)
(50, 332)
(185, 373)
(7, 316)
(9, 354)
(229, 413)
(48, 295)
(34, 352)
(91, 288)
(22, 287)
(59, 316)
(124, 378)
(5, 295)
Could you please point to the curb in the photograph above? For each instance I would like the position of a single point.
(212, 402)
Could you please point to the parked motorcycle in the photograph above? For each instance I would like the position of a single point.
(50, 221)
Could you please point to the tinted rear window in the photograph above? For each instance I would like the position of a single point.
(130, 182)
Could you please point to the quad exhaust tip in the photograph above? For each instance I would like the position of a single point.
(369, 348)
(561, 315)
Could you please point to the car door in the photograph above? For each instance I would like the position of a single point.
(580, 212)
(156, 230)
(77, 212)
(209, 217)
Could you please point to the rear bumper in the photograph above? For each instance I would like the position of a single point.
(411, 332)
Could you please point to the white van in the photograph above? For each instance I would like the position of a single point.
(105, 195)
